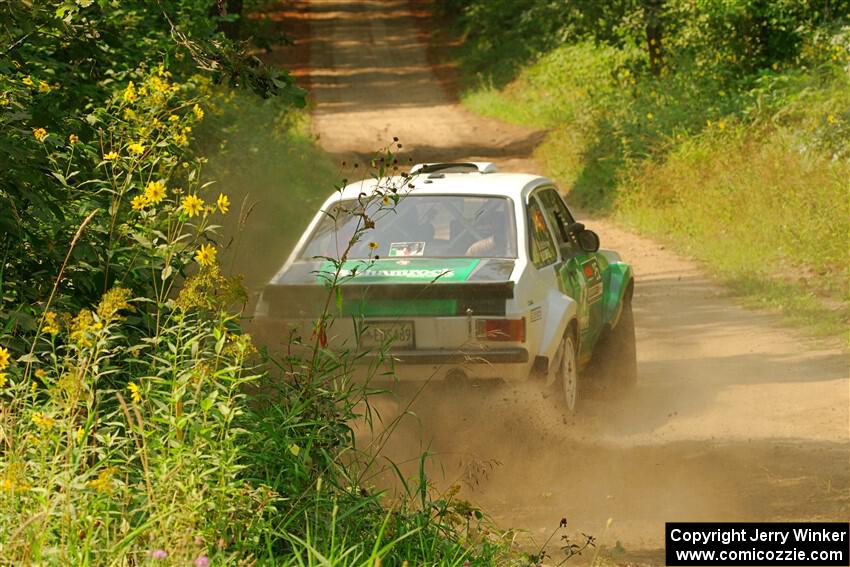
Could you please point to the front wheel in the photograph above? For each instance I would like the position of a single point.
(567, 374)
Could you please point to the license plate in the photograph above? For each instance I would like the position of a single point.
(398, 333)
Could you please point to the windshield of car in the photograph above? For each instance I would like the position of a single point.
(427, 226)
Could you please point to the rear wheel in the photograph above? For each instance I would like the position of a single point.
(567, 374)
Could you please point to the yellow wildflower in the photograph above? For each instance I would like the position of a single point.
(373, 245)
(208, 210)
(830, 119)
(143, 91)
(113, 301)
(79, 436)
(29, 82)
(155, 192)
(649, 116)
(103, 482)
(180, 139)
(2, 379)
(129, 114)
(12, 482)
(43, 87)
(136, 148)
(206, 255)
(81, 326)
(721, 125)
(51, 324)
(139, 202)
(193, 205)
(158, 84)
(110, 156)
(73, 139)
(4, 358)
(173, 118)
(386, 201)
(198, 112)
(41, 374)
(43, 421)
(130, 92)
(135, 395)
(40, 134)
(223, 203)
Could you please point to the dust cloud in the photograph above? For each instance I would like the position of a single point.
(527, 465)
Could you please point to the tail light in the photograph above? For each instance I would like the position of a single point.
(512, 330)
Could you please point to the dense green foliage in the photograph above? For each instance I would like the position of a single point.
(138, 423)
(720, 126)
(741, 36)
(63, 72)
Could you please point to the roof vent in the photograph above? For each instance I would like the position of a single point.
(454, 167)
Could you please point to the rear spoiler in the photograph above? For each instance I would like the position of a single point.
(479, 298)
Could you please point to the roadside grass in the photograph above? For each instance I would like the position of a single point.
(749, 176)
(767, 219)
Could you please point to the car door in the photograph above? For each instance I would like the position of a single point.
(579, 272)
(543, 254)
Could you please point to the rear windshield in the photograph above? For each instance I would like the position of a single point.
(427, 226)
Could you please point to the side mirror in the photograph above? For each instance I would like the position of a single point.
(588, 240)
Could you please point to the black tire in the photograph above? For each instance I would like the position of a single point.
(566, 375)
(616, 355)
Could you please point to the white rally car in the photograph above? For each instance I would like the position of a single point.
(473, 274)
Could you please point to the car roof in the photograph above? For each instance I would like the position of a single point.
(513, 185)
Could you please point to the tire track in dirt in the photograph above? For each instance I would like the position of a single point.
(734, 417)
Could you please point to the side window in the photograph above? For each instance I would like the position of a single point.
(542, 248)
(559, 218)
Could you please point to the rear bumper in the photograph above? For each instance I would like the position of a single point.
(508, 363)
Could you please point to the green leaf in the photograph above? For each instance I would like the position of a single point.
(208, 402)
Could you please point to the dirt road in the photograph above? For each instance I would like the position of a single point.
(734, 418)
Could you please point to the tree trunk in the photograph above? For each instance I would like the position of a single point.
(652, 19)
(230, 7)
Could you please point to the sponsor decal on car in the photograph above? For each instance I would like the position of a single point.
(388, 270)
(593, 276)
